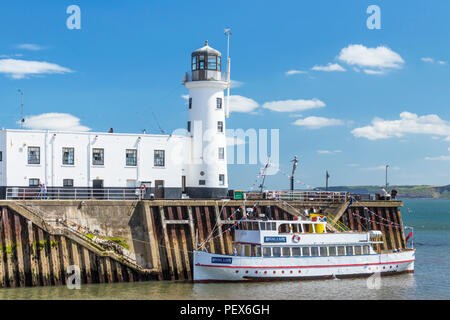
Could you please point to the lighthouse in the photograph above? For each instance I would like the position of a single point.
(207, 170)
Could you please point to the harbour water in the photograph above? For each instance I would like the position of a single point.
(431, 280)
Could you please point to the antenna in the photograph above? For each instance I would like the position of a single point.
(261, 186)
(228, 33)
(160, 129)
(294, 166)
(22, 119)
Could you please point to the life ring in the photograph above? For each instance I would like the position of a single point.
(295, 238)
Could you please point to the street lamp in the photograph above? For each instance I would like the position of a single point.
(387, 166)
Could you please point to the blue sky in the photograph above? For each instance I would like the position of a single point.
(127, 60)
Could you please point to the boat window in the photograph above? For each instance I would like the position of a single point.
(283, 228)
(273, 226)
(358, 250)
(266, 252)
(323, 251)
(296, 252)
(276, 251)
(247, 251)
(262, 225)
(305, 251)
(349, 250)
(258, 251)
(286, 252)
(332, 251)
(314, 251)
(341, 250)
(366, 249)
(255, 225)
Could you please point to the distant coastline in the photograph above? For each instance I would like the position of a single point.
(404, 192)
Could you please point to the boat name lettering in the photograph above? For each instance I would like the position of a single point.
(221, 260)
(274, 239)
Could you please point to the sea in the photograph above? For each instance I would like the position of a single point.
(430, 220)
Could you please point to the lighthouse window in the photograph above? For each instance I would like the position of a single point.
(221, 179)
(219, 103)
(219, 66)
(221, 153)
(68, 156)
(201, 182)
(194, 63)
(67, 182)
(189, 126)
(98, 157)
(131, 157)
(34, 155)
(190, 103)
(219, 126)
(212, 62)
(1, 156)
(33, 182)
(201, 62)
(159, 158)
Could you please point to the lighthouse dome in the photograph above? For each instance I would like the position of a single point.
(206, 58)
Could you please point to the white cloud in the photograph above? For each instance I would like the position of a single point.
(236, 84)
(429, 60)
(291, 72)
(328, 151)
(293, 105)
(54, 121)
(408, 123)
(30, 46)
(318, 122)
(379, 58)
(370, 71)
(242, 104)
(329, 68)
(380, 168)
(185, 96)
(440, 158)
(19, 69)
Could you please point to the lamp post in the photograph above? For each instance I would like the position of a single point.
(387, 166)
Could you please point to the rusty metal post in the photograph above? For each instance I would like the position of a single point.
(167, 243)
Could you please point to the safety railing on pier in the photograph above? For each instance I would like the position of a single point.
(31, 193)
(300, 196)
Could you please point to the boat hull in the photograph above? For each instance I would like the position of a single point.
(209, 267)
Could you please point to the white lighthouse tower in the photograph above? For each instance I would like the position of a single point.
(207, 171)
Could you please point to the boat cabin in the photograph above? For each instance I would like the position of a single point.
(276, 238)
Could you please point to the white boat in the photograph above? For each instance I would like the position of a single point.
(298, 250)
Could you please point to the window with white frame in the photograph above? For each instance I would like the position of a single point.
(221, 179)
(159, 158)
(219, 103)
(67, 182)
(34, 155)
(221, 153)
(68, 156)
(219, 126)
(131, 157)
(98, 157)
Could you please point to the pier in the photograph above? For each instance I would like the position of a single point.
(142, 240)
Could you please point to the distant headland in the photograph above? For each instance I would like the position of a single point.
(405, 192)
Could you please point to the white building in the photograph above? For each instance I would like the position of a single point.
(169, 165)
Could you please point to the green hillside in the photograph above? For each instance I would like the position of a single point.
(423, 191)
